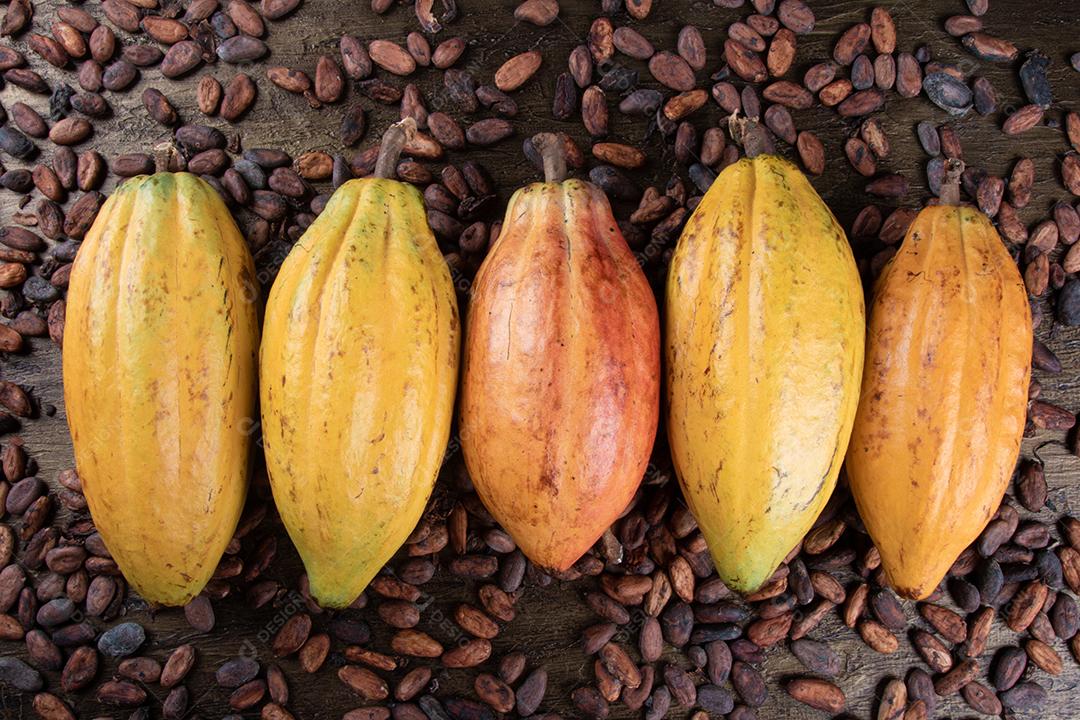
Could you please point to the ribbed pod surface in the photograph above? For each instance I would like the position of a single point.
(560, 394)
(944, 395)
(160, 379)
(359, 368)
(764, 347)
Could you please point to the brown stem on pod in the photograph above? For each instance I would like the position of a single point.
(950, 186)
(394, 140)
(553, 153)
(752, 135)
(166, 157)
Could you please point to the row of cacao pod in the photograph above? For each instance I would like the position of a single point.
(560, 392)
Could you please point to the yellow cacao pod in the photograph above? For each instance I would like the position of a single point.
(160, 347)
(359, 366)
(944, 396)
(561, 384)
(764, 349)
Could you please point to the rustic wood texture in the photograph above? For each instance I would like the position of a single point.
(550, 619)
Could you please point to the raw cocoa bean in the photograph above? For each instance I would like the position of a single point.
(391, 57)
(909, 79)
(835, 92)
(781, 53)
(537, 12)
(364, 682)
(238, 97)
(181, 58)
(852, 43)
(158, 107)
(819, 694)
(494, 692)
(241, 49)
(513, 73)
(989, 48)
(961, 674)
(329, 81)
(744, 61)
(816, 656)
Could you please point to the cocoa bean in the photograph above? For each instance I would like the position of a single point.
(364, 682)
(852, 43)
(789, 94)
(447, 53)
(961, 674)
(781, 53)
(469, 653)
(494, 692)
(601, 40)
(537, 12)
(241, 49)
(818, 76)
(989, 48)
(513, 73)
(391, 57)
(819, 694)
(329, 81)
(158, 107)
(744, 61)
(811, 152)
(238, 97)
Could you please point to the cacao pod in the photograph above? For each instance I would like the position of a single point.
(561, 378)
(160, 379)
(359, 364)
(764, 349)
(944, 395)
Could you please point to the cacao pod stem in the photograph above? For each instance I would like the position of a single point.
(550, 147)
(752, 135)
(396, 137)
(950, 188)
(166, 157)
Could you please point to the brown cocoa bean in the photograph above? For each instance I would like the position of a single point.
(852, 43)
(469, 653)
(158, 107)
(1023, 119)
(241, 49)
(781, 53)
(601, 40)
(513, 73)
(329, 81)
(537, 12)
(990, 48)
(238, 97)
(744, 61)
(788, 94)
(795, 15)
(672, 71)
(447, 53)
(391, 57)
(415, 643)
(364, 682)
(818, 694)
(961, 674)
(811, 152)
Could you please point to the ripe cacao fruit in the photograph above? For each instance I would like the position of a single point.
(561, 379)
(764, 349)
(944, 395)
(359, 368)
(160, 347)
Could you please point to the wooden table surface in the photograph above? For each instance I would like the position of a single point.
(550, 619)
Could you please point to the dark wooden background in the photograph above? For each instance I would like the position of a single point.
(550, 620)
